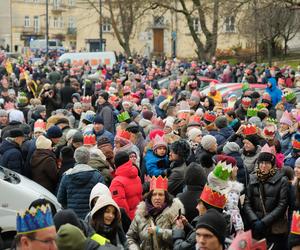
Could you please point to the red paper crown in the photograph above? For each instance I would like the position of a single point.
(295, 227)
(244, 241)
(213, 198)
(40, 124)
(89, 140)
(246, 101)
(86, 99)
(159, 183)
(250, 129)
(124, 134)
(269, 131)
(209, 116)
(183, 116)
(195, 118)
(226, 109)
(296, 144)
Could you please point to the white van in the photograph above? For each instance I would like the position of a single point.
(94, 58)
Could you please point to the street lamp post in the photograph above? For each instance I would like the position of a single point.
(47, 29)
(100, 29)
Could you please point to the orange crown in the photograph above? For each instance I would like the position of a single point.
(183, 116)
(295, 227)
(296, 144)
(195, 118)
(213, 198)
(250, 129)
(269, 131)
(209, 116)
(123, 134)
(86, 99)
(89, 140)
(246, 101)
(159, 183)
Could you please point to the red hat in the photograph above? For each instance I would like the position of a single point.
(250, 129)
(213, 198)
(156, 132)
(226, 158)
(159, 183)
(89, 140)
(123, 134)
(209, 116)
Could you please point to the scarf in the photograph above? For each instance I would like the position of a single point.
(154, 211)
(193, 145)
(263, 177)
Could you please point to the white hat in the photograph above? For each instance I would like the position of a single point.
(98, 190)
(193, 133)
(104, 201)
(43, 143)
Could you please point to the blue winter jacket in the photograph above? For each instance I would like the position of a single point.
(286, 144)
(223, 134)
(274, 91)
(75, 188)
(11, 156)
(104, 133)
(155, 165)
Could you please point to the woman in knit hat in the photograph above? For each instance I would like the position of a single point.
(286, 133)
(43, 164)
(266, 201)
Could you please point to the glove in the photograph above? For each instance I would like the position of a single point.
(259, 227)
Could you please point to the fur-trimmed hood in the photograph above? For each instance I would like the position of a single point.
(168, 213)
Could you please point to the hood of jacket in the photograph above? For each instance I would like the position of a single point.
(127, 170)
(273, 82)
(144, 123)
(7, 144)
(40, 155)
(226, 132)
(98, 163)
(81, 174)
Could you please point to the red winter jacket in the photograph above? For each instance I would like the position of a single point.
(126, 188)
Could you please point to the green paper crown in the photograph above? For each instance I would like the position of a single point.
(123, 117)
(260, 106)
(252, 112)
(245, 86)
(223, 171)
(272, 121)
(290, 96)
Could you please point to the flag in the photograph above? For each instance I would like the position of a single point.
(8, 67)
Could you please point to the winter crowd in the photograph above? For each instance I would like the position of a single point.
(137, 165)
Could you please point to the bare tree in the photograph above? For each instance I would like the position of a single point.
(123, 15)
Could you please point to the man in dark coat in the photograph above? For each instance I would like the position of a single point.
(10, 151)
(66, 93)
(106, 112)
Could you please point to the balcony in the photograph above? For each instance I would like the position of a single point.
(57, 9)
(72, 31)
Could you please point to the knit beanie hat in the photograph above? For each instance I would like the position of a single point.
(159, 142)
(193, 133)
(98, 120)
(43, 143)
(256, 121)
(104, 95)
(195, 175)
(149, 92)
(70, 134)
(213, 221)
(82, 155)
(226, 158)
(181, 148)
(254, 139)
(3, 112)
(267, 157)
(286, 118)
(207, 141)
(16, 115)
(54, 132)
(16, 132)
(121, 158)
(102, 141)
(77, 105)
(77, 137)
(40, 108)
(65, 216)
(147, 114)
(70, 237)
(231, 147)
(98, 190)
(221, 122)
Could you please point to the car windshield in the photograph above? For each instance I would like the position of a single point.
(9, 176)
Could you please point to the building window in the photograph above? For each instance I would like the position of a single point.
(158, 21)
(36, 1)
(56, 3)
(55, 22)
(72, 2)
(71, 22)
(230, 24)
(27, 21)
(36, 24)
(106, 25)
(196, 24)
(61, 22)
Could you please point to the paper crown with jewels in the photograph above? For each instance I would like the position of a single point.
(34, 219)
(250, 129)
(212, 197)
(209, 116)
(222, 170)
(89, 139)
(159, 183)
(244, 241)
(252, 112)
(269, 131)
(86, 100)
(290, 96)
(246, 101)
(124, 116)
(295, 227)
(39, 126)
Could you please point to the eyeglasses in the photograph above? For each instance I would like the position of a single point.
(47, 242)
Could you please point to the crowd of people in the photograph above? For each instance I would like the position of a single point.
(137, 165)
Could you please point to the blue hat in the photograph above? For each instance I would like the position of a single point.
(54, 132)
(98, 119)
(34, 219)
